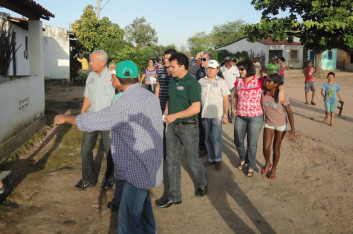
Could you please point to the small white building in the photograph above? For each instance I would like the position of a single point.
(56, 50)
(22, 101)
(293, 52)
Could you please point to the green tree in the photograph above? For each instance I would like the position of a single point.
(320, 25)
(141, 33)
(227, 33)
(199, 42)
(92, 33)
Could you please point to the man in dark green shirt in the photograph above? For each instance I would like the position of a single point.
(181, 113)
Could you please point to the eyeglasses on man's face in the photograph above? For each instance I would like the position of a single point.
(203, 59)
(241, 69)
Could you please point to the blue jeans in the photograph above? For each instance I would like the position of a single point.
(213, 138)
(251, 126)
(89, 140)
(118, 192)
(179, 135)
(135, 211)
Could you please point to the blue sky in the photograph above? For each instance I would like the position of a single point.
(174, 21)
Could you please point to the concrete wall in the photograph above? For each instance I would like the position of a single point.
(22, 61)
(56, 53)
(56, 49)
(23, 104)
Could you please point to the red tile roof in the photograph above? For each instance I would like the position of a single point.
(30, 6)
(268, 41)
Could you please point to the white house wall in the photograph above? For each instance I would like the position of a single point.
(23, 102)
(22, 68)
(286, 54)
(56, 50)
(56, 53)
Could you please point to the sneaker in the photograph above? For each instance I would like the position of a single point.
(108, 184)
(218, 166)
(83, 185)
(112, 207)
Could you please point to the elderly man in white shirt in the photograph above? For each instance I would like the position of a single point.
(215, 105)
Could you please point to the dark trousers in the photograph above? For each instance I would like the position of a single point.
(88, 143)
(202, 145)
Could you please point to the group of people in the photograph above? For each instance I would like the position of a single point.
(329, 90)
(191, 101)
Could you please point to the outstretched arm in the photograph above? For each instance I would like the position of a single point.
(61, 119)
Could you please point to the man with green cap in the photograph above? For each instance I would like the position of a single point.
(135, 124)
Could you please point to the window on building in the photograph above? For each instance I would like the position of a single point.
(329, 54)
(311, 55)
(293, 55)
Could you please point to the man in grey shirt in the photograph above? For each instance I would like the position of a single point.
(98, 94)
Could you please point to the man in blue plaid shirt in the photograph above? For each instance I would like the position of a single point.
(135, 124)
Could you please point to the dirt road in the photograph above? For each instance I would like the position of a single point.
(313, 192)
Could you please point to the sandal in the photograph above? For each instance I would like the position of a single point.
(265, 170)
(250, 173)
(273, 177)
(241, 165)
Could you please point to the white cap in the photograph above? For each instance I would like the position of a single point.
(212, 64)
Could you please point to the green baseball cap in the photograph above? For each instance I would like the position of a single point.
(127, 69)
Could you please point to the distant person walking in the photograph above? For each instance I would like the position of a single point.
(230, 74)
(329, 91)
(149, 75)
(257, 66)
(84, 62)
(282, 67)
(273, 67)
(309, 72)
(275, 128)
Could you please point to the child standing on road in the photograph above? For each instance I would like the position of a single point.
(309, 82)
(328, 91)
(275, 122)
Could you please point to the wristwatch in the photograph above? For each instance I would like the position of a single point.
(225, 116)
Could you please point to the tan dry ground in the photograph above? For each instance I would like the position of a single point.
(313, 192)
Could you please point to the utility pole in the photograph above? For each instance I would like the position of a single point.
(98, 9)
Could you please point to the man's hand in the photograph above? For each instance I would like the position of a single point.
(235, 112)
(59, 119)
(225, 120)
(170, 118)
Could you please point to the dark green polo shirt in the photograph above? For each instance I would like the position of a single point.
(182, 93)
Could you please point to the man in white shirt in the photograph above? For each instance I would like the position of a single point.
(215, 102)
(230, 74)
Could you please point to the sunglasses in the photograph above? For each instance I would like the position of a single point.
(241, 69)
(203, 59)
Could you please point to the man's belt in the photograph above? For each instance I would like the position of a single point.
(187, 122)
